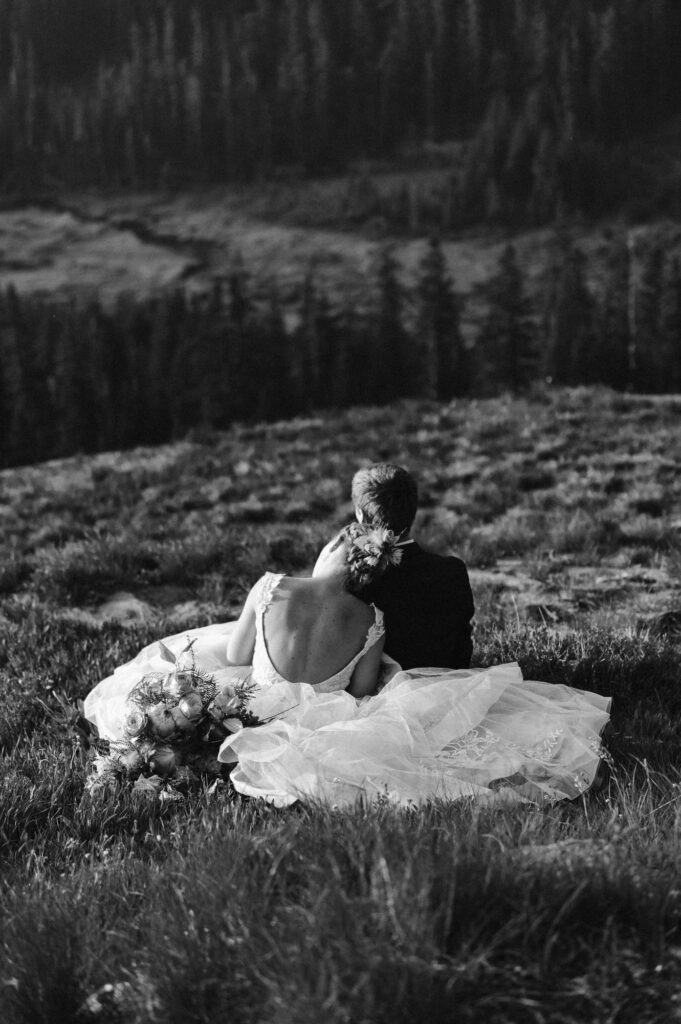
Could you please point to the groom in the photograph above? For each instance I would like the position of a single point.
(426, 599)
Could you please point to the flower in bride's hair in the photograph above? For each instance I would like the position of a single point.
(371, 550)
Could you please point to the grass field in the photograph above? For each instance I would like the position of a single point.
(114, 907)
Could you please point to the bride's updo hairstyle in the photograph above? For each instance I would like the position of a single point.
(387, 496)
(370, 550)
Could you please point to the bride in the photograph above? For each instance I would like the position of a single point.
(342, 721)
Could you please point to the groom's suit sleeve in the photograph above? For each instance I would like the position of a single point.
(464, 609)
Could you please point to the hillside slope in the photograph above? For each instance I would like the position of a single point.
(565, 505)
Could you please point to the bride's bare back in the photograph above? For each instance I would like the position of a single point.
(312, 630)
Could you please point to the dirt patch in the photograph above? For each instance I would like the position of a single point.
(633, 596)
(60, 254)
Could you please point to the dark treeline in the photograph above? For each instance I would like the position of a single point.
(548, 94)
(85, 378)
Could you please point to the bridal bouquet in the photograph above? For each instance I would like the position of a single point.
(173, 725)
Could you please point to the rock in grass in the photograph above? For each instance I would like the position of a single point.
(110, 1002)
(568, 853)
(120, 1001)
(668, 624)
(125, 607)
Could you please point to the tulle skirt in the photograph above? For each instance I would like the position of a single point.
(429, 733)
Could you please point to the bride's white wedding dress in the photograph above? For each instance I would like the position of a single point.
(429, 733)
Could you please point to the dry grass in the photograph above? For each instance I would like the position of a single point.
(216, 907)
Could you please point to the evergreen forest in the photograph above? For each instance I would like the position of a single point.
(536, 112)
(558, 101)
(84, 377)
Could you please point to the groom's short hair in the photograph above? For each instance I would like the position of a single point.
(386, 495)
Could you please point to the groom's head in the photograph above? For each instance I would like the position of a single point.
(385, 495)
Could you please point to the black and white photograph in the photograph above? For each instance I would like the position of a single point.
(340, 511)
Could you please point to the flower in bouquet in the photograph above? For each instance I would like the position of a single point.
(131, 761)
(164, 761)
(175, 685)
(160, 721)
(226, 702)
(181, 722)
(191, 705)
(135, 722)
(173, 724)
(106, 769)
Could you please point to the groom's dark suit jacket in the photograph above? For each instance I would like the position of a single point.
(428, 607)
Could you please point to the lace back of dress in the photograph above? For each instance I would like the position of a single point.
(264, 673)
(266, 586)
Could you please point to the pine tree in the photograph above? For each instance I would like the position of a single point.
(508, 338)
(442, 359)
(670, 327)
(487, 153)
(14, 434)
(306, 365)
(614, 338)
(391, 339)
(99, 407)
(271, 361)
(26, 360)
(571, 335)
(327, 347)
(210, 359)
(132, 330)
(70, 376)
(343, 364)
(649, 361)
(240, 327)
(189, 406)
(167, 327)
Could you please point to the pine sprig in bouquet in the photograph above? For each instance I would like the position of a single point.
(174, 724)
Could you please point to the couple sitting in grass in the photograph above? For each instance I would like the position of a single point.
(361, 682)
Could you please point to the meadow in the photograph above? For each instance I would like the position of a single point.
(566, 505)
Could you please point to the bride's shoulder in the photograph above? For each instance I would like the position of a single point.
(268, 578)
(264, 587)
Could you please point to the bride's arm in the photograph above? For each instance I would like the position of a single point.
(242, 641)
(365, 677)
